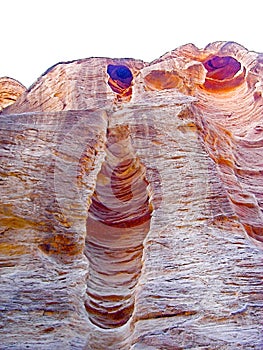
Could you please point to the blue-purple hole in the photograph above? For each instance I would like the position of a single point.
(121, 73)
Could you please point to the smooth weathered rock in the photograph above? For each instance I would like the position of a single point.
(10, 90)
(131, 204)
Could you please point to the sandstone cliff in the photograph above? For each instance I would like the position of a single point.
(131, 211)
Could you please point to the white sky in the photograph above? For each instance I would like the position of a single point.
(37, 34)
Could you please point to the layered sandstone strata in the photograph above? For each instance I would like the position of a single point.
(131, 204)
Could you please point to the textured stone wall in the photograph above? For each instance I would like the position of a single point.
(131, 204)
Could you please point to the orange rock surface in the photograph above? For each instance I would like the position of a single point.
(131, 212)
(10, 90)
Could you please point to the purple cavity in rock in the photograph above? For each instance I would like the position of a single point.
(120, 73)
(222, 67)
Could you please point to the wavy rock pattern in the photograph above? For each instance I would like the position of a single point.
(118, 222)
(131, 203)
(10, 90)
(237, 128)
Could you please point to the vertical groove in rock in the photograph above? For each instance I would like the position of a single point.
(118, 222)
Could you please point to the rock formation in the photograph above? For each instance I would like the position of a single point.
(131, 211)
(10, 90)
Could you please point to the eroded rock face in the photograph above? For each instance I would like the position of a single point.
(131, 204)
(10, 90)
